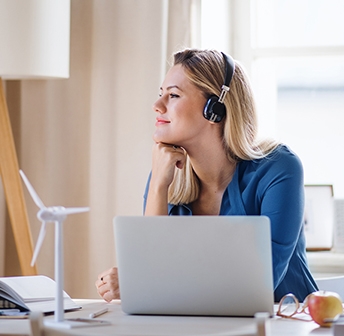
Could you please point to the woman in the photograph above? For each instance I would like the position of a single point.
(204, 165)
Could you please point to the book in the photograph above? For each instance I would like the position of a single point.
(22, 294)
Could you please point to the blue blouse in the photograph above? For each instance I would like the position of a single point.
(272, 186)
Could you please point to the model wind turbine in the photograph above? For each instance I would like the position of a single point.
(56, 214)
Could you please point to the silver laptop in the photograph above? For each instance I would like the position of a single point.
(194, 265)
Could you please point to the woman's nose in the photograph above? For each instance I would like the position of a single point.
(159, 106)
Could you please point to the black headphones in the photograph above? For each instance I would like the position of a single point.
(215, 109)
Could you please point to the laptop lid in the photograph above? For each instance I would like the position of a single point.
(194, 265)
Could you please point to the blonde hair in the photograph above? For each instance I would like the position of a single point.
(206, 70)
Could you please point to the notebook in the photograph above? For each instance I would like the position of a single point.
(194, 265)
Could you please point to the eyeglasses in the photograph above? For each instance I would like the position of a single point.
(289, 306)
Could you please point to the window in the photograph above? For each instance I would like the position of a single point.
(294, 53)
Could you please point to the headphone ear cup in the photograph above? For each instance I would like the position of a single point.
(213, 110)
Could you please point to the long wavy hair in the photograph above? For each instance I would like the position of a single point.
(206, 70)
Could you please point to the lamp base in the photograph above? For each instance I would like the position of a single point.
(75, 323)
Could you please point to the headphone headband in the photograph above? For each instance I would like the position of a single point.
(229, 72)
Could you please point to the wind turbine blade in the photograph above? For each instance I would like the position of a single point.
(69, 211)
(32, 191)
(39, 243)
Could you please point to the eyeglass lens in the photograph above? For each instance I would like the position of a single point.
(289, 306)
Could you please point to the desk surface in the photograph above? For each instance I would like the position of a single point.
(122, 324)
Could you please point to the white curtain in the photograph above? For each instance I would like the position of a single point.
(87, 140)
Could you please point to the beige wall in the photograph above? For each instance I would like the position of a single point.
(86, 140)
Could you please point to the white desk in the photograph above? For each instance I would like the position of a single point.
(122, 324)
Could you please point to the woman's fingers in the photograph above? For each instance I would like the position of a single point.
(165, 158)
(182, 157)
(107, 284)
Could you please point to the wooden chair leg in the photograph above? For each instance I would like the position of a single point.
(12, 184)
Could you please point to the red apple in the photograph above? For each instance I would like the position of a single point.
(324, 305)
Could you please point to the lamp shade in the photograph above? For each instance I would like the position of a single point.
(34, 39)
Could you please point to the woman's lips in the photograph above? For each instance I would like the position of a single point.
(161, 122)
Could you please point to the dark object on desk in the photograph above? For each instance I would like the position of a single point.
(337, 325)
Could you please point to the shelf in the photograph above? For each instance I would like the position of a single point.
(325, 264)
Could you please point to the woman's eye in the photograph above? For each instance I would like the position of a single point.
(173, 95)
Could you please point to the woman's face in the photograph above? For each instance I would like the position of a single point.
(179, 110)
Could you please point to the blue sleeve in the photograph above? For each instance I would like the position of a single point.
(283, 202)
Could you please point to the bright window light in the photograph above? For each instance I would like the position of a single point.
(214, 27)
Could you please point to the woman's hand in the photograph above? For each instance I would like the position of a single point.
(165, 159)
(107, 285)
